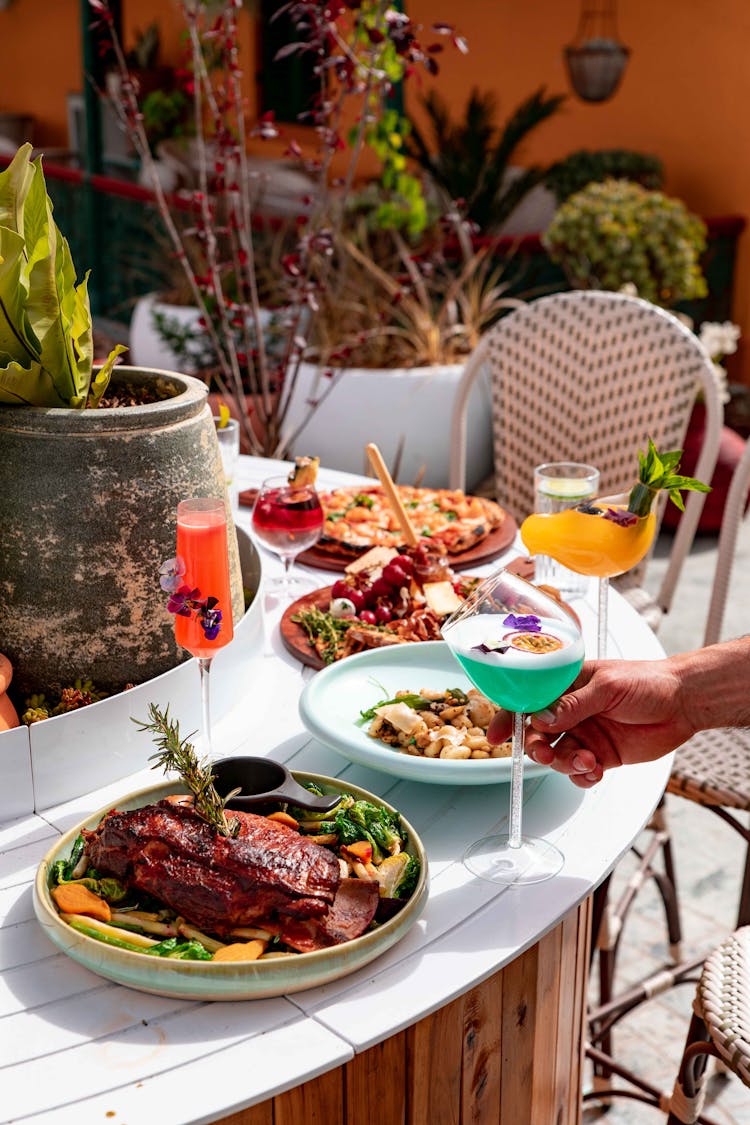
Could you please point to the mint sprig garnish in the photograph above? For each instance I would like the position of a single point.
(658, 472)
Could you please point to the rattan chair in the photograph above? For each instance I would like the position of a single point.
(589, 376)
(712, 769)
(720, 1027)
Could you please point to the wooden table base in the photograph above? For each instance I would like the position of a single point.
(509, 1052)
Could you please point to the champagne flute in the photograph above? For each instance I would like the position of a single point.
(599, 538)
(198, 581)
(287, 519)
(521, 649)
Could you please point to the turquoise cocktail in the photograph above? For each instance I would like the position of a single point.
(521, 649)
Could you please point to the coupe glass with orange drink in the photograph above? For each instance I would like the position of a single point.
(608, 536)
(197, 580)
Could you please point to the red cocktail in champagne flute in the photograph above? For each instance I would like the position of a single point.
(287, 518)
(198, 582)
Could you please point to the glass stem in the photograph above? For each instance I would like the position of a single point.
(288, 561)
(516, 780)
(601, 619)
(204, 664)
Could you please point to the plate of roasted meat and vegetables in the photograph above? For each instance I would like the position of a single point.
(174, 891)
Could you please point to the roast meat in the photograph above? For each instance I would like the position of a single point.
(218, 882)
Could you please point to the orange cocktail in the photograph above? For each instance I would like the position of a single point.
(202, 548)
(601, 538)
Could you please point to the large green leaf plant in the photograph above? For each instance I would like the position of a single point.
(46, 335)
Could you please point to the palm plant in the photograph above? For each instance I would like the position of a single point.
(470, 159)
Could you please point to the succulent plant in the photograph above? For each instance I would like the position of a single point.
(46, 348)
(616, 233)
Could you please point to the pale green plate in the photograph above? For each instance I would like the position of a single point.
(205, 980)
(331, 703)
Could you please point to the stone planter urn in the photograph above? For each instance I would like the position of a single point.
(88, 510)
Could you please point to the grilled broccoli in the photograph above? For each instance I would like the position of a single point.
(365, 821)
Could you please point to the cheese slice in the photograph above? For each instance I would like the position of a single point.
(441, 598)
(400, 716)
(375, 558)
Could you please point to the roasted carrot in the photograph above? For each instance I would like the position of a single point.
(241, 951)
(75, 898)
(284, 818)
(360, 850)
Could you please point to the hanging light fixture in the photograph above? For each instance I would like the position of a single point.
(596, 58)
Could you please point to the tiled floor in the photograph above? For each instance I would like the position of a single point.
(709, 858)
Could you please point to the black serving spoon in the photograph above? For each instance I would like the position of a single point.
(259, 781)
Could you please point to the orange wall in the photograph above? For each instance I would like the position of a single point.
(685, 96)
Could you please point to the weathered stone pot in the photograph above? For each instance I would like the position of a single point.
(88, 511)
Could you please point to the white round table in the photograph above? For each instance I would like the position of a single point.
(477, 1014)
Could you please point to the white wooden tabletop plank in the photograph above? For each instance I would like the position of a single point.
(154, 1048)
(222, 1081)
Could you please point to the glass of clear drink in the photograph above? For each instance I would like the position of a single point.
(559, 485)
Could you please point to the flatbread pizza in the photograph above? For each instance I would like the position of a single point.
(357, 519)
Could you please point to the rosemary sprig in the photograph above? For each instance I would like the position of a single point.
(178, 755)
(658, 472)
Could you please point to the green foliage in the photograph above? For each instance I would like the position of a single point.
(469, 159)
(583, 167)
(166, 114)
(658, 472)
(617, 233)
(46, 350)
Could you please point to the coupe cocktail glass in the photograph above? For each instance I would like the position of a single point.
(203, 609)
(599, 538)
(521, 649)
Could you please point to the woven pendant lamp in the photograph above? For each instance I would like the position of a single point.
(596, 58)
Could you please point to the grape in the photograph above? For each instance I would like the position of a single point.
(383, 614)
(381, 588)
(405, 563)
(367, 617)
(357, 598)
(395, 574)
(341, 589)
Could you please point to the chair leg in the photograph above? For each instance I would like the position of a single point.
(689, 1092)
(743, 916)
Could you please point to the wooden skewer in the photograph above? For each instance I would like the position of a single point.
(379, 465)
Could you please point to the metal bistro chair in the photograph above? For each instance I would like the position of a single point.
(589, 376)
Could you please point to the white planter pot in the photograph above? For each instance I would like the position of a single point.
(147, 349)
(412, 406)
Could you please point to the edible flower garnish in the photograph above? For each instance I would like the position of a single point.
(529, 622)
(622, 519)
(185, 601)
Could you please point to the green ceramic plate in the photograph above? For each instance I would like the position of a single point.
(331, 703)
(205, 980)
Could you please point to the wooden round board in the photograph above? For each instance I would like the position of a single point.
(488, 549)
(294, 636)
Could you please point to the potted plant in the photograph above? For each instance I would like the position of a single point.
(582, 167)
(617, 233)
(360, 51)
(471, 158)
(92, 464)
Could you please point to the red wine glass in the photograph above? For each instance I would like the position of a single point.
(287, 519)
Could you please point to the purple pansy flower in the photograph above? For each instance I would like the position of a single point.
(529, 622)
(170, 573)
(186, 601)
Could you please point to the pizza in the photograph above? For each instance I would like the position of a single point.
(357, 519)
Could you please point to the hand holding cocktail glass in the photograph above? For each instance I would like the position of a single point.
(522, 649)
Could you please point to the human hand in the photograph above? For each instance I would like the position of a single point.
(617, 712)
